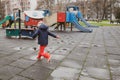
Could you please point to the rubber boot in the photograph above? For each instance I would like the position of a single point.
(47, 56)
(39, 56)
(41, 52)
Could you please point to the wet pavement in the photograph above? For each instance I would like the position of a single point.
(75, 56)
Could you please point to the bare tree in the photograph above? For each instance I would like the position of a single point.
(117, 9)
(63, 4)
(2, 9)
(99, 9)
(102, 8)
(45, 4)
(59, 5)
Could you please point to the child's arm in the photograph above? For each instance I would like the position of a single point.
(53, 35)
(35, 34)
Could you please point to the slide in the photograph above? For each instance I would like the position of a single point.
(5, 19)
(77, 25)
(10, 23)
(79, 15)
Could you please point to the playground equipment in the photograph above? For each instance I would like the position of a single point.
(63, 18)
(17, 30)
(7, 21)
(75, 9)
(70, 17)
(30, 23)
(32, 18)
(14, 31)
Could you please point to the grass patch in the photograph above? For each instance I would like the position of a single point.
(102, 23)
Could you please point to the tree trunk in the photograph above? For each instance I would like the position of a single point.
(104, 9)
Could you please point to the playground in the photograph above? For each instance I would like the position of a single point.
(85, 51)
(23, 25)
(60, 21)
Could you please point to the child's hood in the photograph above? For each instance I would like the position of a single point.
(43, 27)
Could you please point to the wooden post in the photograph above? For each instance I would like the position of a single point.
(19, 23)
(14, 18)
(71, 26)
(61, 26)
(64, 24)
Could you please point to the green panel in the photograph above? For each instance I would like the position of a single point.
(12, 32)
(5, 19)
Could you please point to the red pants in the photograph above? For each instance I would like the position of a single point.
(42, 53)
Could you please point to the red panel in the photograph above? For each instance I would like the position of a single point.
(61, 17)
(32, 22)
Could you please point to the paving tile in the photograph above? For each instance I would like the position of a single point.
(65, 73)
(7, 72)
(19, 78)
(86, 78)
(36, 73)
(22, 63)
(71, 64)
(98, 73)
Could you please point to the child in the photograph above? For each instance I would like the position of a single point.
(42, 33)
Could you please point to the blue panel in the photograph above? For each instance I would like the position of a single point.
(79, 14)
(25, 32)
(67, 16)
(74, 21)
(26, 18)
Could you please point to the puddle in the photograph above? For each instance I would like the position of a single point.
(18, 48)
(96, 45)
(72, 42)
(62, 41)
(33, 48)
(58, 42)
(64, 49)
(68, 38)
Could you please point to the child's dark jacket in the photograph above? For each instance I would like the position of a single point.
(42, 33)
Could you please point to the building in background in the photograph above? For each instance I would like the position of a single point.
(90, 8)
(32, 4)
(7, 7)
(2, 9)
(23, 5)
